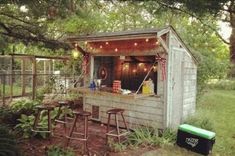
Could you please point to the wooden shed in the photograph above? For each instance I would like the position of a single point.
(155, 70)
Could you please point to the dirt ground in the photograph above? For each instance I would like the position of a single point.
(96, 143)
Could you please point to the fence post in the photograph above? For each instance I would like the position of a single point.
(23, 76)
(34, 72)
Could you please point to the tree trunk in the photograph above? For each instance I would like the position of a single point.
(232, 41)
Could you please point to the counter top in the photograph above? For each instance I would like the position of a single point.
(84, 90)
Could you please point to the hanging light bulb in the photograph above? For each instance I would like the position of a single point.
(155, 68)
(134, 70)
(157, 43)
(106, 43)
(135, 44)
(85, 42)
(146, 40)
(116, 49)
(75, 54)
(145, 69)
(140, 64)
(101, 46)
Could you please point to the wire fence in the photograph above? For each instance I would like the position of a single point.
(29, 85)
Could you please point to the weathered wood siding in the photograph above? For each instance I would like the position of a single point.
(190, 82)
(181, 91)
(144, 111)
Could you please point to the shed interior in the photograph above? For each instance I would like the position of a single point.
(130, 70)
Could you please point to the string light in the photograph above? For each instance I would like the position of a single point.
(91, 48)
(76, 44)
(116, 49)
(126, 66)
(140, 64)
(106, 43)
(146, 40)
(85, 42)
(154, 68)
(157, 42)
(135, 44)
(134, 70)
(101, 46)
(75, 54)
(145, 69)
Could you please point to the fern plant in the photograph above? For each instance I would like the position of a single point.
(8, 144)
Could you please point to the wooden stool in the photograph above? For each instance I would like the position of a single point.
(41, 108)
(118, 132)
(84, 134)
(61, 105)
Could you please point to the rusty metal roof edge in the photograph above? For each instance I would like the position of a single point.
(112, 35)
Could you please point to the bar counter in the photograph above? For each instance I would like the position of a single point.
(139, 109)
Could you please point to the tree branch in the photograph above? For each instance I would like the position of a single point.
(198, 18)
(50, 43)
(17, 18)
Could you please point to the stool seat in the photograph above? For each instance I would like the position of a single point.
(45, 107)
(82, 113)
(63, 103)
(115, 111)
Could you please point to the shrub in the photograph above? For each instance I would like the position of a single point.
(57, 151)
(117, 147)
(144, 136)
(167, 137)
(8, 144)
(201, 122)
(10, 115)
(26, 122)
(224, 84)
(7, 116)
(24, 105)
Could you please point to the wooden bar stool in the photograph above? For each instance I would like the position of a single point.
(63, 105)
(36, 127)
(118, 132)
(83, 135)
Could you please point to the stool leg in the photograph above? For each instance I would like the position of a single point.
(65, 123)
(71, 130)
(58, 113)
(49, 121)
(124, 121)
(107, 130)
(85, 133)
(117, 128)
(36, 120)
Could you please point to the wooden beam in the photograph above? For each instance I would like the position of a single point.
(81, 50)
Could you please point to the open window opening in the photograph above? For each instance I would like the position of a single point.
(130, 70)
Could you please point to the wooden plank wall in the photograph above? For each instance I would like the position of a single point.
(190, 82)
(144, 111)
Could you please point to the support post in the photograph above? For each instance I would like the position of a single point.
(34, 73)
(11, 77)
(23, 76)
(44, 72)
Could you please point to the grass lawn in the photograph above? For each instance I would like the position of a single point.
(17, 90)
(219, 107)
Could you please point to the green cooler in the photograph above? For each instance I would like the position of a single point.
(195, 139)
